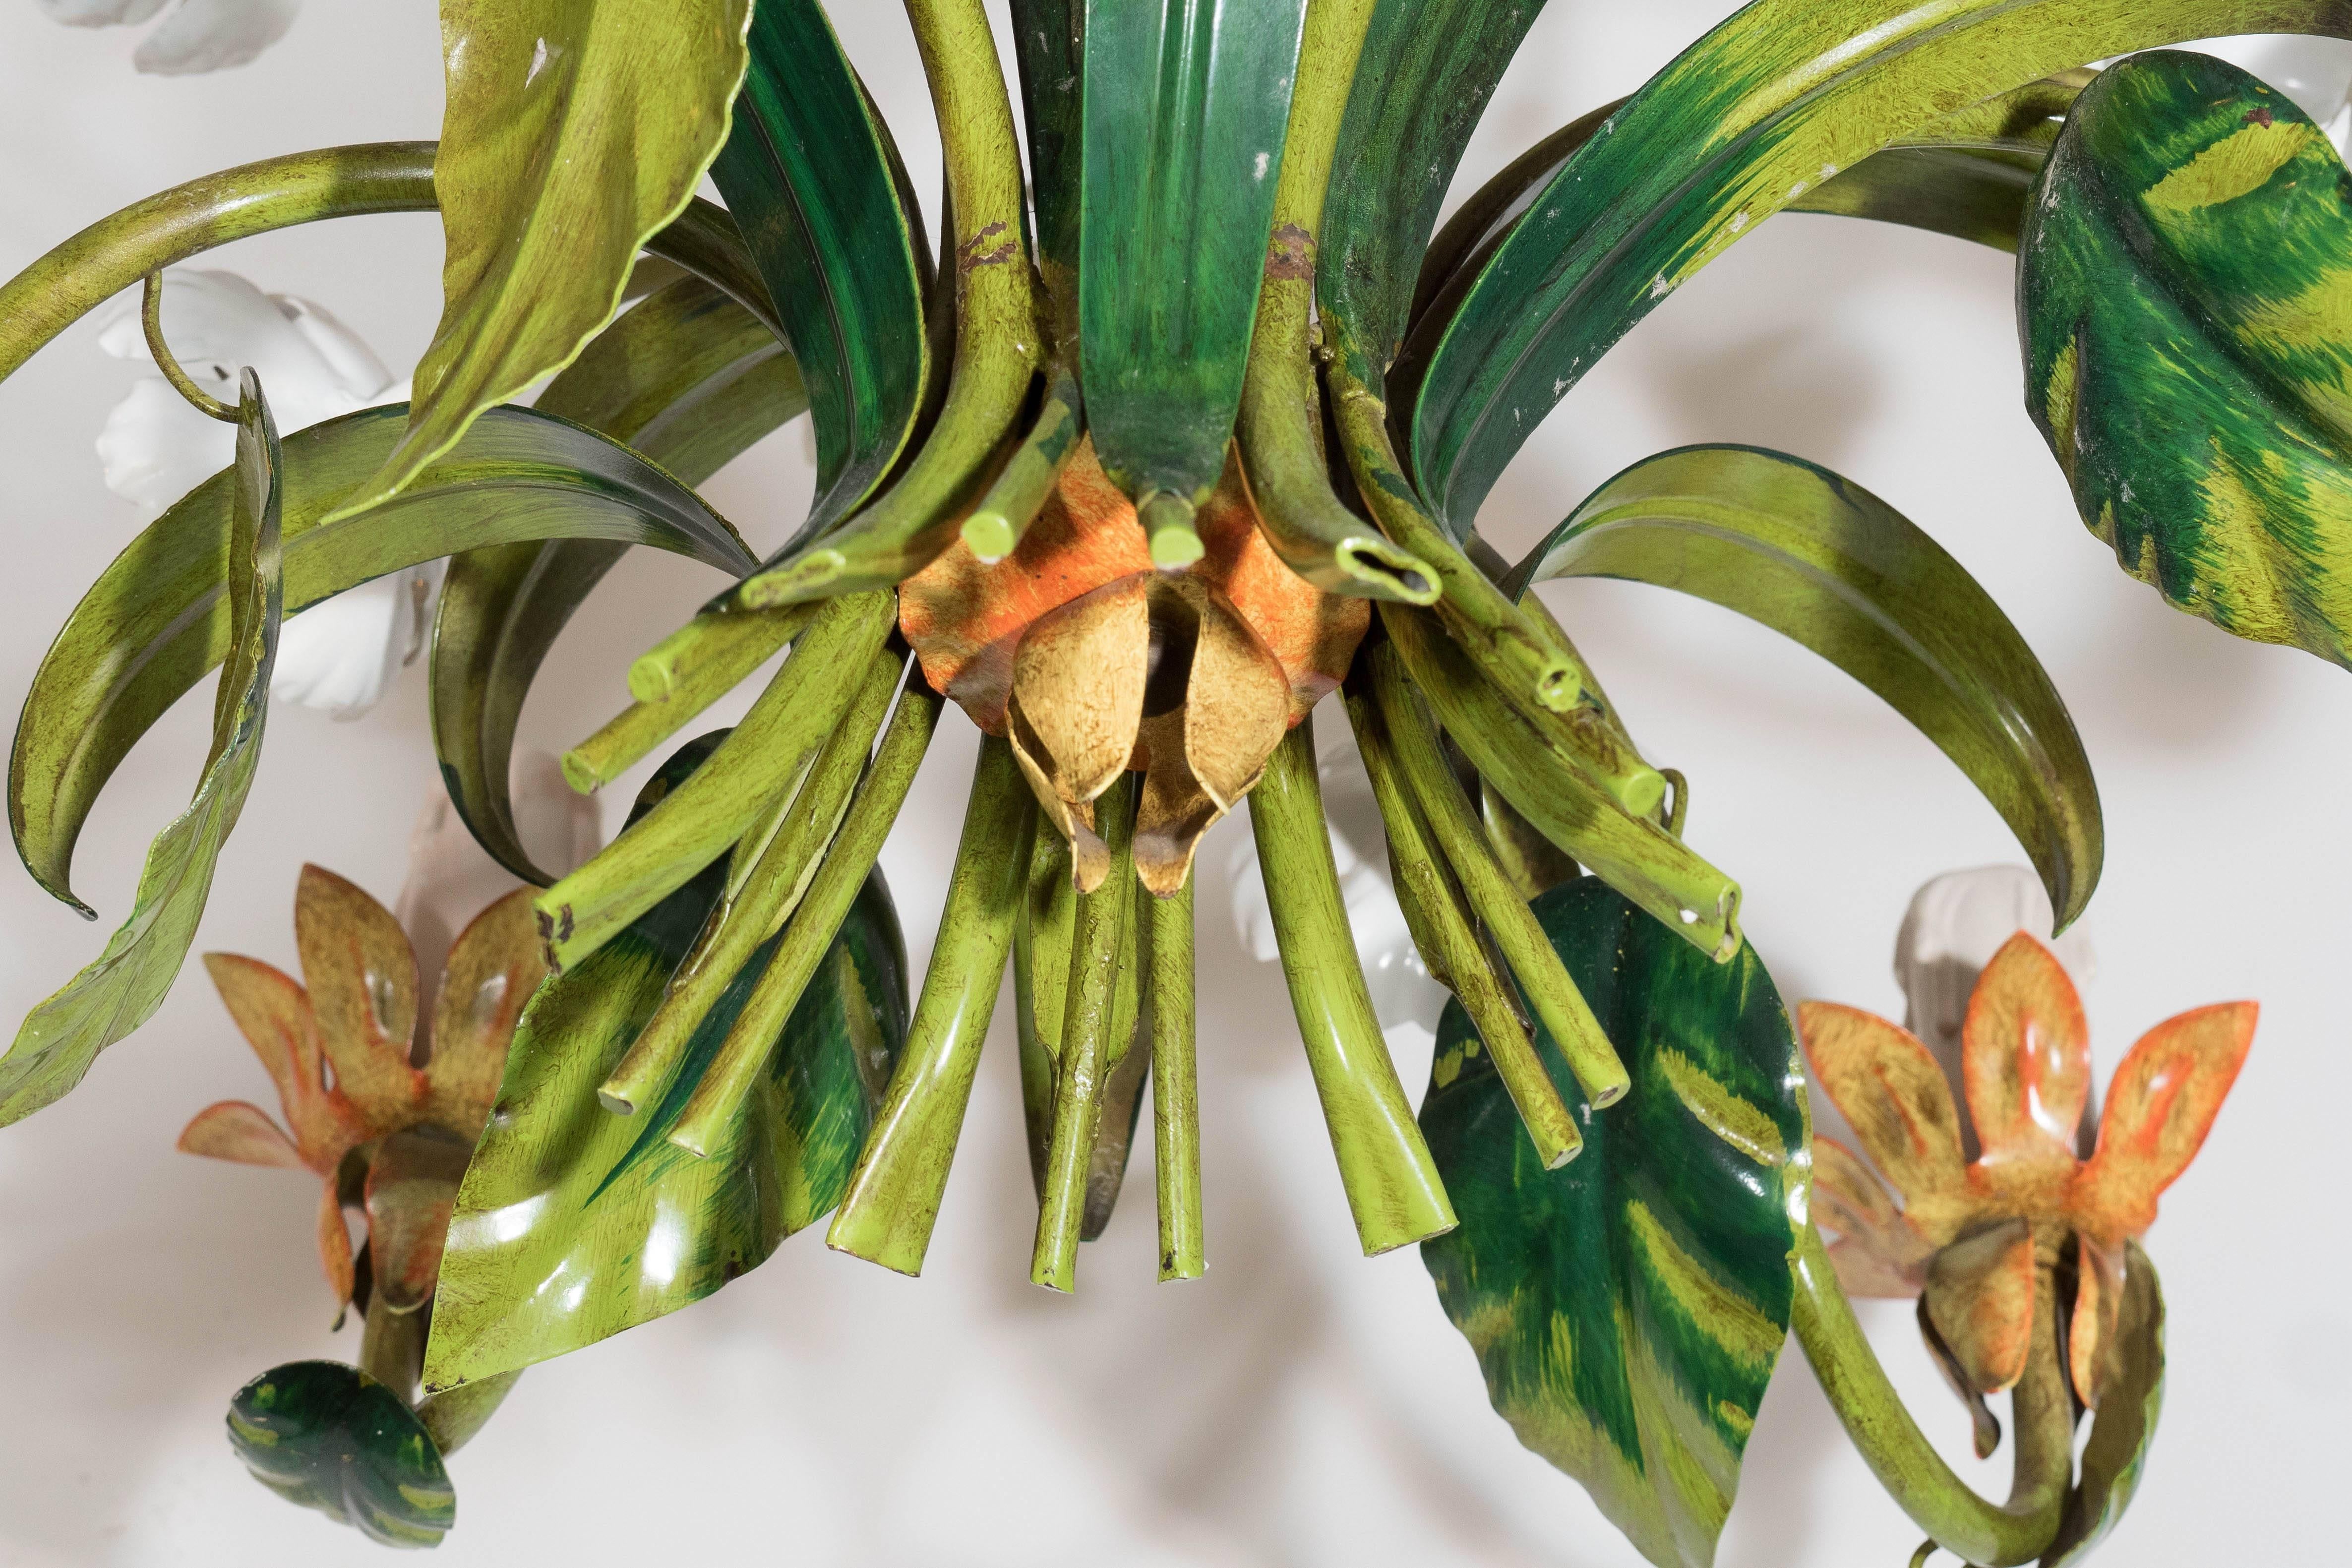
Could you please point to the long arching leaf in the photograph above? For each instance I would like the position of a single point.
(1825, 563)
(1627, 1309)
(573, 130)
(1784, 95)
(241, 554)
(1186, 105)
(690, 379)
(636, 1227)
(2185, 292)
(160, 617)
(810, 175)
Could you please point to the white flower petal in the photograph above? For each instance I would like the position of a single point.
(155, 448)
(212, 35)
(355, 367)
(217, 323)
(99, 13)
(341, 655)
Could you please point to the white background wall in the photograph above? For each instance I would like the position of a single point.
(1301, 1405)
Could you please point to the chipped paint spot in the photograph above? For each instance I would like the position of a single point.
(1290, 253)
(978, 252)
(1257, 171)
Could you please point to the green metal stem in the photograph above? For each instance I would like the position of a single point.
(1175, 1088)
(1441, 924)
(775, 884)
(1392, 1186)
(392, 1348)
(1906, 1465)
(995, 527)
(1454, 822)
(452, 1417)
(893, 1199)
(1098, 947)
(713, 652)
(696, 823)
(1168, 530)
(999, 342)
(742, 1057)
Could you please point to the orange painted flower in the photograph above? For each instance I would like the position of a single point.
(1093, 663)
(1976, 1240)
(389, 1135)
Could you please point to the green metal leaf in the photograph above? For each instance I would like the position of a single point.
(809, 172)
(1825, 563)
(1627, 1309)
(1782, 96)
(237, 546)
(159, 616)
(1427, 71)
(573, 130)
(1049, 44)
(575, 1223)
(2125, 1423)
(330, 1436)
(690, 379)
(1186, 106)
(2185, 294)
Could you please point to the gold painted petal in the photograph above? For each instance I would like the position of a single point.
(2099, 1304)
(2160, 1105)
(2026, 1055)
(1236, 697)
(1312, 635)
(964, 618)
(1893, 1095)
(411, 1187)
(1174, 811)
(1878, 1253)
(1985, 1425)
(1979, 1296)
(334, 1245)
(233, 1129)
(495, 965)
(1078, 684)
(363, 983)
(274, 1015)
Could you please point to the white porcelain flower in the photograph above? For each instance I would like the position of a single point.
(339, 656)
(200, 36)
(1404, 997)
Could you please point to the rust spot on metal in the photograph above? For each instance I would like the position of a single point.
(1290, 253)
(2262, 117)
(976, 251)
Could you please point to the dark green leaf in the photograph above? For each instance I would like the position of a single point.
(159, 617)
(330, 1436)
(810, 175)
(2185, 293)
(1824, 562)
(238, 548)
(1782, 96)
(1049, 42)
(690, 379)
(2125, 1424)
(1627, 1309)
(575, 130)
(1186, 106)
(1428, 69)
(633, 1226)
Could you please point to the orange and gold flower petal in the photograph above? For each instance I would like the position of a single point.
(2160, 1105)
(1312, 635)
(233, 1129)
(1216, 705)
(964, 618)
(1979, 1296)
(1078, 680)
(1876, 1253)
(495, 965)
(2026, 1055)
(412, 1186)
(2099, 1304)
(274, 1015)
(362, 977)
(1893, 1095)
(334, 1245)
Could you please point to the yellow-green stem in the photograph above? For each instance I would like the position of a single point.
(996, 525)
(714, 651)
(893, 1199)
(1175, 1088)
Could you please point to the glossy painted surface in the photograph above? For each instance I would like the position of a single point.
(164, 607)
(574, 1223)
(1781, 96)
(573, 130)
(1820, 560)
(329, 1437)
(807, 173)
(1628, 1309)
(2116, 1455)
(244, 559)
(1186, 107)
(2186, 308)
